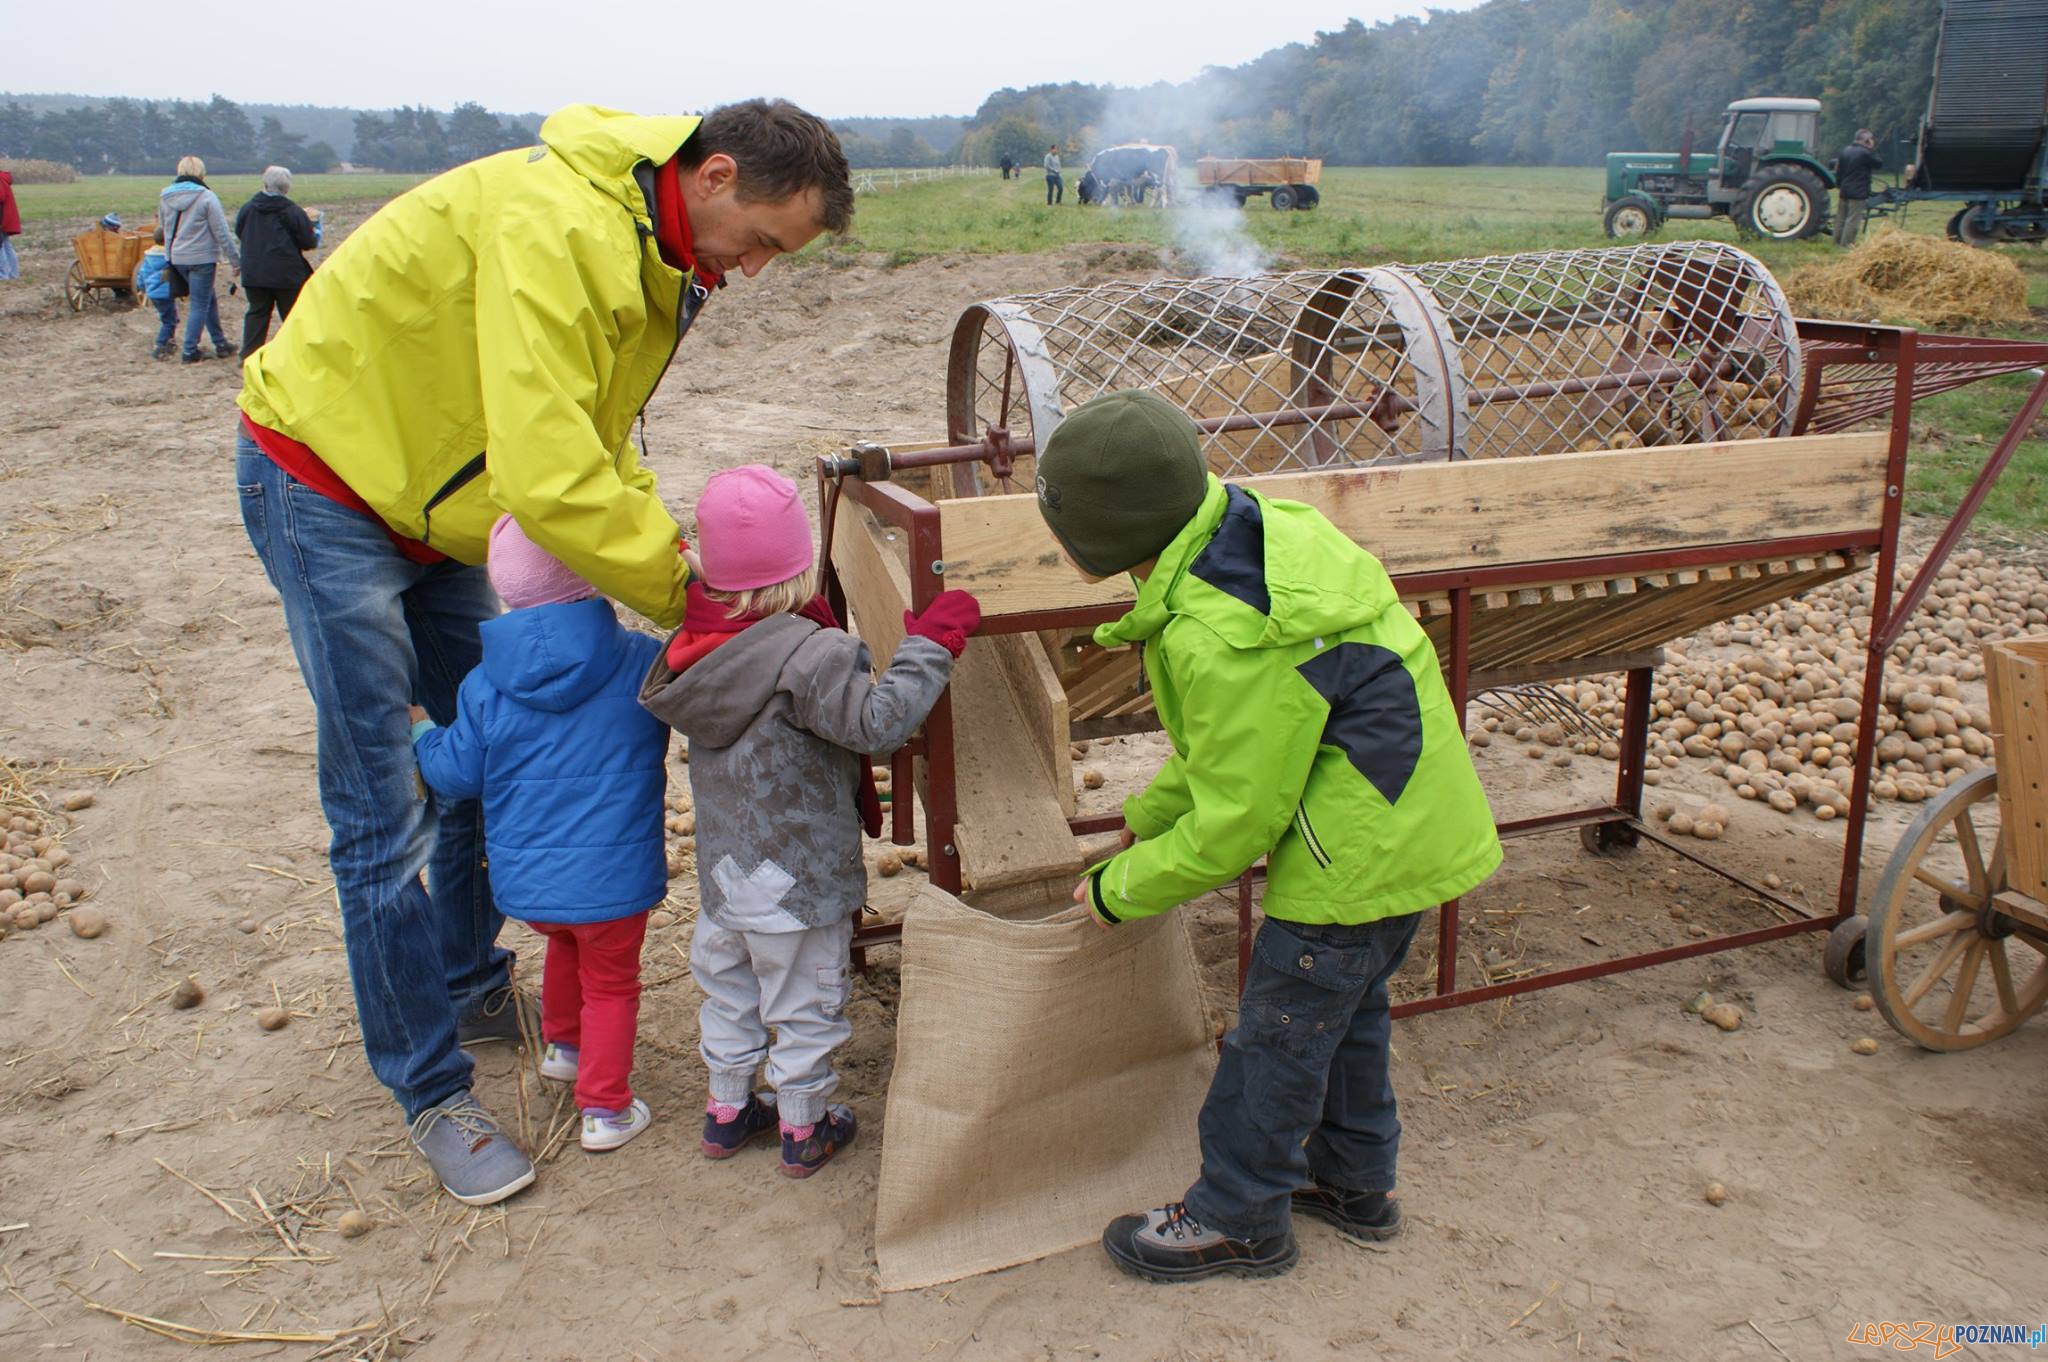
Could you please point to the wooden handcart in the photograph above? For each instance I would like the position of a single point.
(1287, 181)
(1957, 934)
(104, 272)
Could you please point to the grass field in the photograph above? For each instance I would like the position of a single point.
(134, 196)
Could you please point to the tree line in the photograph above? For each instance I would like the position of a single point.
(1510, 82)
(142, 136)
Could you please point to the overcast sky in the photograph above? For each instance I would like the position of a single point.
(838, 59)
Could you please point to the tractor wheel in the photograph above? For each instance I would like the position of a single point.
(1783, 202)
(1282, 198)
(1968, 228)
(1630, 217)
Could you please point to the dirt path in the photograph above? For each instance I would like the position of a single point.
(1557, 1145)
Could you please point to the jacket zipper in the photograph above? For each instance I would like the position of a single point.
(463, 477)
(1308, 836)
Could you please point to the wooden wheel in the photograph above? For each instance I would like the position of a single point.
(1948, 970)
(76, 291)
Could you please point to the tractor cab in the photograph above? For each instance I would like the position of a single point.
(1757, 131)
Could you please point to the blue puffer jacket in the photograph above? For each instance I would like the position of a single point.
(551, 735)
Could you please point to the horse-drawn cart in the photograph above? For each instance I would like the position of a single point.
(104, 271)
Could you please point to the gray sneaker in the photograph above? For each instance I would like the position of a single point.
(471, 1154)
(504, 1014)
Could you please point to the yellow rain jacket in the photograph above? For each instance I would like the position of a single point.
(485, 342)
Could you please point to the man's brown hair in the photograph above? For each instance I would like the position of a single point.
(781, 151)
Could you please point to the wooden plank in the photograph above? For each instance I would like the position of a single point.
(1486, 512)
(1042, 701)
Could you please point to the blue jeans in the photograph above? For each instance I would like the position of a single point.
(167, 312)
(205, 309)
(373, 630)
(1301, 1089)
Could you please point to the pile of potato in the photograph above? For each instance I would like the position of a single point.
(37, 877)
(1777, 719)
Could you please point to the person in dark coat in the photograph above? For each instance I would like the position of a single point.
(275, 234)
(1853, 165)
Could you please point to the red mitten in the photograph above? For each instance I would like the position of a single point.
(947, 621)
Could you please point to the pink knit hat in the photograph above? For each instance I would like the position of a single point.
(751, 529)
(525, 574)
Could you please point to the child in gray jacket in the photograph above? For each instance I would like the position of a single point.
(782, 711)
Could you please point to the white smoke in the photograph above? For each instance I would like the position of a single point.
(1210, 237)
(1216, 239)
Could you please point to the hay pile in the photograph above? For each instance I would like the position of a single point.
(1898, 277)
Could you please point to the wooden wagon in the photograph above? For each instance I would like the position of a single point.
(1287, 181)
(1521, 441)
(104, 271)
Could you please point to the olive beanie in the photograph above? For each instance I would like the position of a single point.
(1119, 479)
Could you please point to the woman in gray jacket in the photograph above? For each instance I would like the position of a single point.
(196, 240)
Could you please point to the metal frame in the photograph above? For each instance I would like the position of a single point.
(1865, 352)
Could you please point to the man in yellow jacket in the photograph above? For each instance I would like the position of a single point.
(483, 345)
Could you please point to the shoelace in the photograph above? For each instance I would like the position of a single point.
(1176, 1217)
(470, 1121)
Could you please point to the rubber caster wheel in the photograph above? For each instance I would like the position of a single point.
(1604, 839)
(1844, 959)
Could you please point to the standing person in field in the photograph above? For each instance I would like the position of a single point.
(783, 710)
(275, 234)
(483, 346)
(1853, 167)
(196, 240)
(152, 282)
(10, 227)
(1055, 187)
(550, 735)
(1311, 726)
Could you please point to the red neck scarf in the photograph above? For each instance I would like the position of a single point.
(672, 225)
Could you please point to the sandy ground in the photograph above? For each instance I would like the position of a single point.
(1557, 1144)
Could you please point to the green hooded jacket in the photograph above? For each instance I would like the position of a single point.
(1310, 725)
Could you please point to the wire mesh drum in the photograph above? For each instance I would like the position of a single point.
(1489, 358)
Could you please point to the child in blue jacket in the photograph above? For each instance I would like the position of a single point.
(151, 284)
(571, 770)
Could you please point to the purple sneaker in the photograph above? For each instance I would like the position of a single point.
(727, 1129)
(806, 1149)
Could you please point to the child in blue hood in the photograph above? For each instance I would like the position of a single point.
(571, 770)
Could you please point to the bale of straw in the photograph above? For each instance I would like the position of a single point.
(1895, 276)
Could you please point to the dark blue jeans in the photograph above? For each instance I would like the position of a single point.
(205, 309)
(1301, 1089)
(372, 631)
(167, 320)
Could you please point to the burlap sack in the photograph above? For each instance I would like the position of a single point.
(1048, 1076)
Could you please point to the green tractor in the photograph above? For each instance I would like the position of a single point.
(1764, 175)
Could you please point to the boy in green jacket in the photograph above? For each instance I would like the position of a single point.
(1310, 725)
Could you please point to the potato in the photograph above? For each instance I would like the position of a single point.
(247, 925)
(39, 882)
(76, 800)
(273, 1018)
(889, 863)
(1864, 1002)
(353, 1224)
(1681, 824)
(1715, 1194)
(188, 994)
(88, 922)
(1092, 779)
(75, 888)
(25, 918)
(911, 856)
(1727, 1016)
(1865, 1045)
(1707, 830)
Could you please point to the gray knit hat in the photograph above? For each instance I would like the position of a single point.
(1119, 479)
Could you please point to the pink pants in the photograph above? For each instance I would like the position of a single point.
(590, 999)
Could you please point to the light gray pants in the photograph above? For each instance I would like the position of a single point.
(1850, 221)
(794, 982)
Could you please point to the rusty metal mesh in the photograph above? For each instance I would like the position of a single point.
(1507, 355)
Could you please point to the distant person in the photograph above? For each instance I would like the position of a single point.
(152, 281)
(1007, 164)
(196, 240)
(1853, 165)
(483, 346)
(1055, 187)
(275, 234)
(10, 227)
